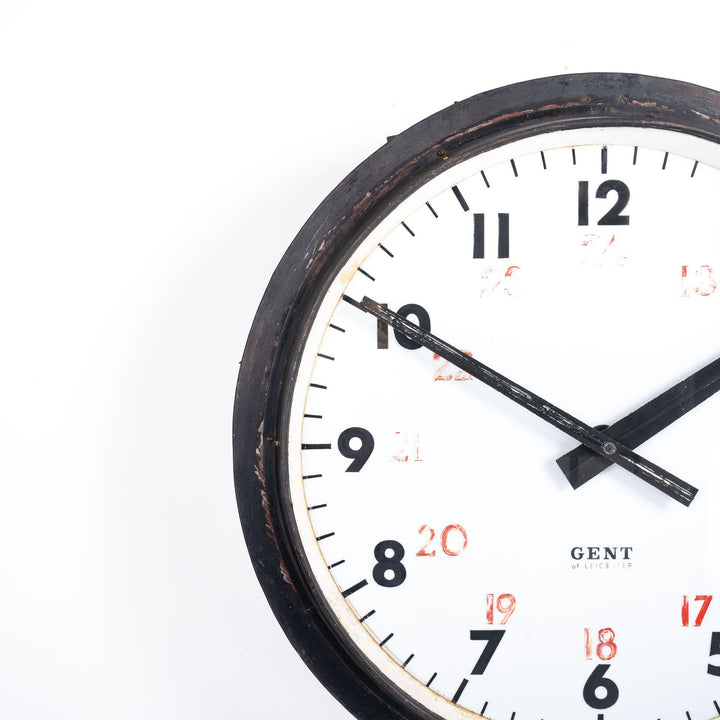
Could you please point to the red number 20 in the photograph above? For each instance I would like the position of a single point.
(449, 548)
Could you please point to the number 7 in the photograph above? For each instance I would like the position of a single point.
(493, 638)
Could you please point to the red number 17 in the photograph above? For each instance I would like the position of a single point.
(705, 599)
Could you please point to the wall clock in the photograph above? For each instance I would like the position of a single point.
(475, 431)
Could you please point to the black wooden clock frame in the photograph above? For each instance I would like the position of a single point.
(274, 347)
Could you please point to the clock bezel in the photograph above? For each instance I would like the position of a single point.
(341, 222)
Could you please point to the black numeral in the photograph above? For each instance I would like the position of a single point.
(493, 638)
(714, 650)
(612, 216)
(360, 456)
(595, 682)
(503, 235)
(423, 320)
(583, 202)
(388, 554)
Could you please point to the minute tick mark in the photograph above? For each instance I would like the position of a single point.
(692, 174)
(366, 274)
(431, 209)
(354, 588)
(459, 691)
(386, 639)
(460, 198)
(603, 160)
(382, 247)
(484, 177)
(665, 159)
(408, 660)
(427, 684)
(542, 157)
(512, 162)
(408, 229)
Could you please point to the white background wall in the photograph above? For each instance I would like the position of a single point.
(156, 158)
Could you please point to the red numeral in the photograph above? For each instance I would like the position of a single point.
(606, 648)
(698, 280)
(443, 375)
(505, 606)
(424, 552)
(453, 550)
(705, 599)
(453, 540)
(601, 252)
(498, 280)
(408, 447)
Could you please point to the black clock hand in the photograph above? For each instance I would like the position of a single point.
(580, 465)
(592, 438)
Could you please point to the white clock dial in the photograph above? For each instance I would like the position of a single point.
(441, 534)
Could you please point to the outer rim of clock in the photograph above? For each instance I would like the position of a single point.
(334, 230)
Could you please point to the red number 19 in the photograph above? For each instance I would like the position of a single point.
(505, 605)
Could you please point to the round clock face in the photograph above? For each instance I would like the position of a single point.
(493, 475)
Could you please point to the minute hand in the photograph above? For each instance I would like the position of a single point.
(581, 465)
(592, 438)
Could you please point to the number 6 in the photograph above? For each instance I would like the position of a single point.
(594, 683)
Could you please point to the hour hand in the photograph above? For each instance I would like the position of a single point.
(581, 464)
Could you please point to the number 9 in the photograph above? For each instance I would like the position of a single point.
(360, 456)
